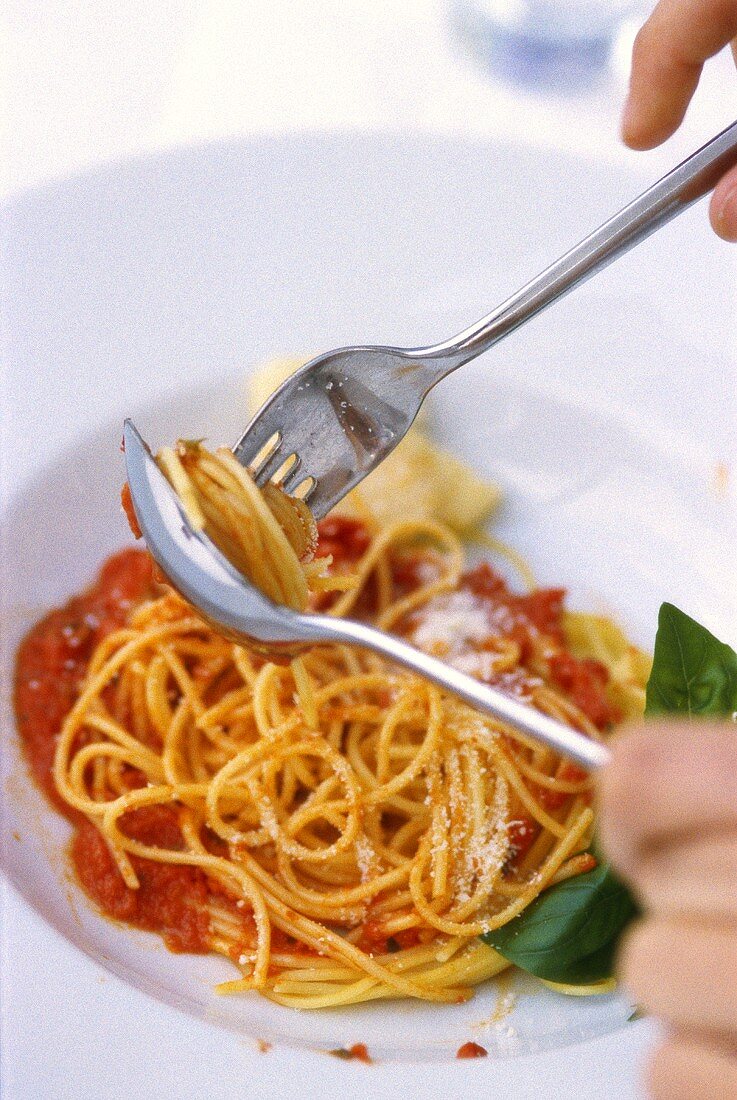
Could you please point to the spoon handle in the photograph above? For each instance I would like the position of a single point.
(590, 754)
(675, 192)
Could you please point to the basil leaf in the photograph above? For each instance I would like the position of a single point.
(570, 932)
(693, 672)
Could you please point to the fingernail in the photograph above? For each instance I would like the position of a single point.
(725, 215)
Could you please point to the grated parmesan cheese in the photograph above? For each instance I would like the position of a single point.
(483, 665)
(450, 623)
(366, 858)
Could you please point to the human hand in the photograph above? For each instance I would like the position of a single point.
(668, 56)
(669, 824)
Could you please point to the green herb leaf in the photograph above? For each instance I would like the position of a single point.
(570, 932)
(693, 672)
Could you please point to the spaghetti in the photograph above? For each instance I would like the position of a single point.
(268, 536)
(341, 830)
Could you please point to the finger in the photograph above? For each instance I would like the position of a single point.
(685, 973)
(694, 879)
(682, 1069)
(667, 780)
(723, 207)
(667, 59)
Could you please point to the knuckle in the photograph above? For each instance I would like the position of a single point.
(641, 44)
(649, 42)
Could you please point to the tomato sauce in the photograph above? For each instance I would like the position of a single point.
(357, 1053)
(344, 538)
(53, 657)
(525, 619)
(520, 617)
(375, 940)
(584, 682)
(471, 1050)
(171, 899)
(126, 501)
(51, 664)
(521, 835)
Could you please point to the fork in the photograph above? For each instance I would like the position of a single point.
(334, 420)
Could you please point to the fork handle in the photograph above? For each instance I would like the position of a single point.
(676, 191)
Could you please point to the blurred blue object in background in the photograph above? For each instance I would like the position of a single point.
(558, 44)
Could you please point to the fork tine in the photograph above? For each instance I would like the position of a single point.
(305, 489)
(257, 451)
(265, 454)
(269, 467)
(289, 476)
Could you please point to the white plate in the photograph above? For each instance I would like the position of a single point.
(152, 288)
